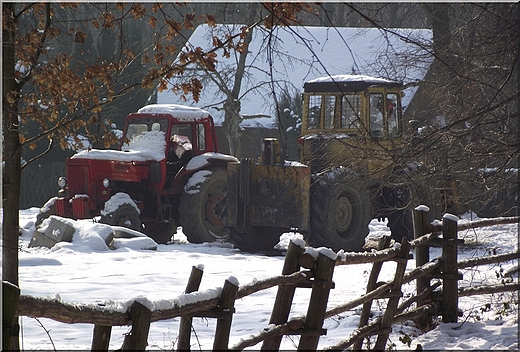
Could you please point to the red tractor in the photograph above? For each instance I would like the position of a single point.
(167, 172)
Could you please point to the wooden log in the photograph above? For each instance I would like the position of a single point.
(449, 267)
(101, 338)
(227, 304)
(391, 307)
(69, 313)
(284, 295)
(283, 280)
(498, 258)
(183, 340)
(483, 290)
(318, 301)
(137, 340)
(383, 243)
(488, 222)
(10, 327)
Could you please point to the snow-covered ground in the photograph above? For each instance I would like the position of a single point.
(86, 271)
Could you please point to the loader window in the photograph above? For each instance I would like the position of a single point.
(350, 111)
(314, 112)
(376, 115)
(395, 128)
(329, 104)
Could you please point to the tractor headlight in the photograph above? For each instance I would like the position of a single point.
(106, 182)
(62, 182)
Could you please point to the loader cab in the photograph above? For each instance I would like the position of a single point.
(349, 117)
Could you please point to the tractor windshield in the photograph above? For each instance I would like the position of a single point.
(145, 133)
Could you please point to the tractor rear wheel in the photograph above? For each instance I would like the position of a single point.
(256, 238)
(340, 211)
(203, 206)
(125, 215)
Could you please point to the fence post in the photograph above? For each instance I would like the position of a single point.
(227, 306)
(101, 338)
(422, 252)
(141, 317)
(183, 343)
(383, 243)
(395, 291)
(284, 296)
(321, 287)
(10, 298)
(450, 296)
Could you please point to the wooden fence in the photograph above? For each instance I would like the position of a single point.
(300, 270)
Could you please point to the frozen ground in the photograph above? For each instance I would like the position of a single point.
(86, 271)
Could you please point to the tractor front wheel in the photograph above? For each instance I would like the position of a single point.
(125, 215)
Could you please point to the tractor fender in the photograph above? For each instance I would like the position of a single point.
(197, 163)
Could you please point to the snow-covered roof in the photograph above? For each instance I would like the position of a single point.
(302, 54)
(181, 112)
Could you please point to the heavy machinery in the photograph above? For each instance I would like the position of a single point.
(352, 138)
(167, 172)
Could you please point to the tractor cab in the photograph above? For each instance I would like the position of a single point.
(180, 132)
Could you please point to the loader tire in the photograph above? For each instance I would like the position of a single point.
(340, 211)
(203, 207)
(125, 215)
(256, 238)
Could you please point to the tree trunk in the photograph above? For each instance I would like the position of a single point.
(232, 119)
(12, 171)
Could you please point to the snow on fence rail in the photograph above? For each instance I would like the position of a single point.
(302, 269)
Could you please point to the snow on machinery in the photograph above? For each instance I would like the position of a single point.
(167, 172)
(352, 171)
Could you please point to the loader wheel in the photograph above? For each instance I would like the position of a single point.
(125, 215)
(203, 206)
(256, 238)
(159, 231)
(340, 211)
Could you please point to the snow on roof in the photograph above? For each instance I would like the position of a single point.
(181, 112)
(303, 53)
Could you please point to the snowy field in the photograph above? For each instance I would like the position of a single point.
(86, 271)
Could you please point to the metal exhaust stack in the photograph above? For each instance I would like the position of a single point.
(271, 154)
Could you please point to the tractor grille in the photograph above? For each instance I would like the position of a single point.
(77, 176)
